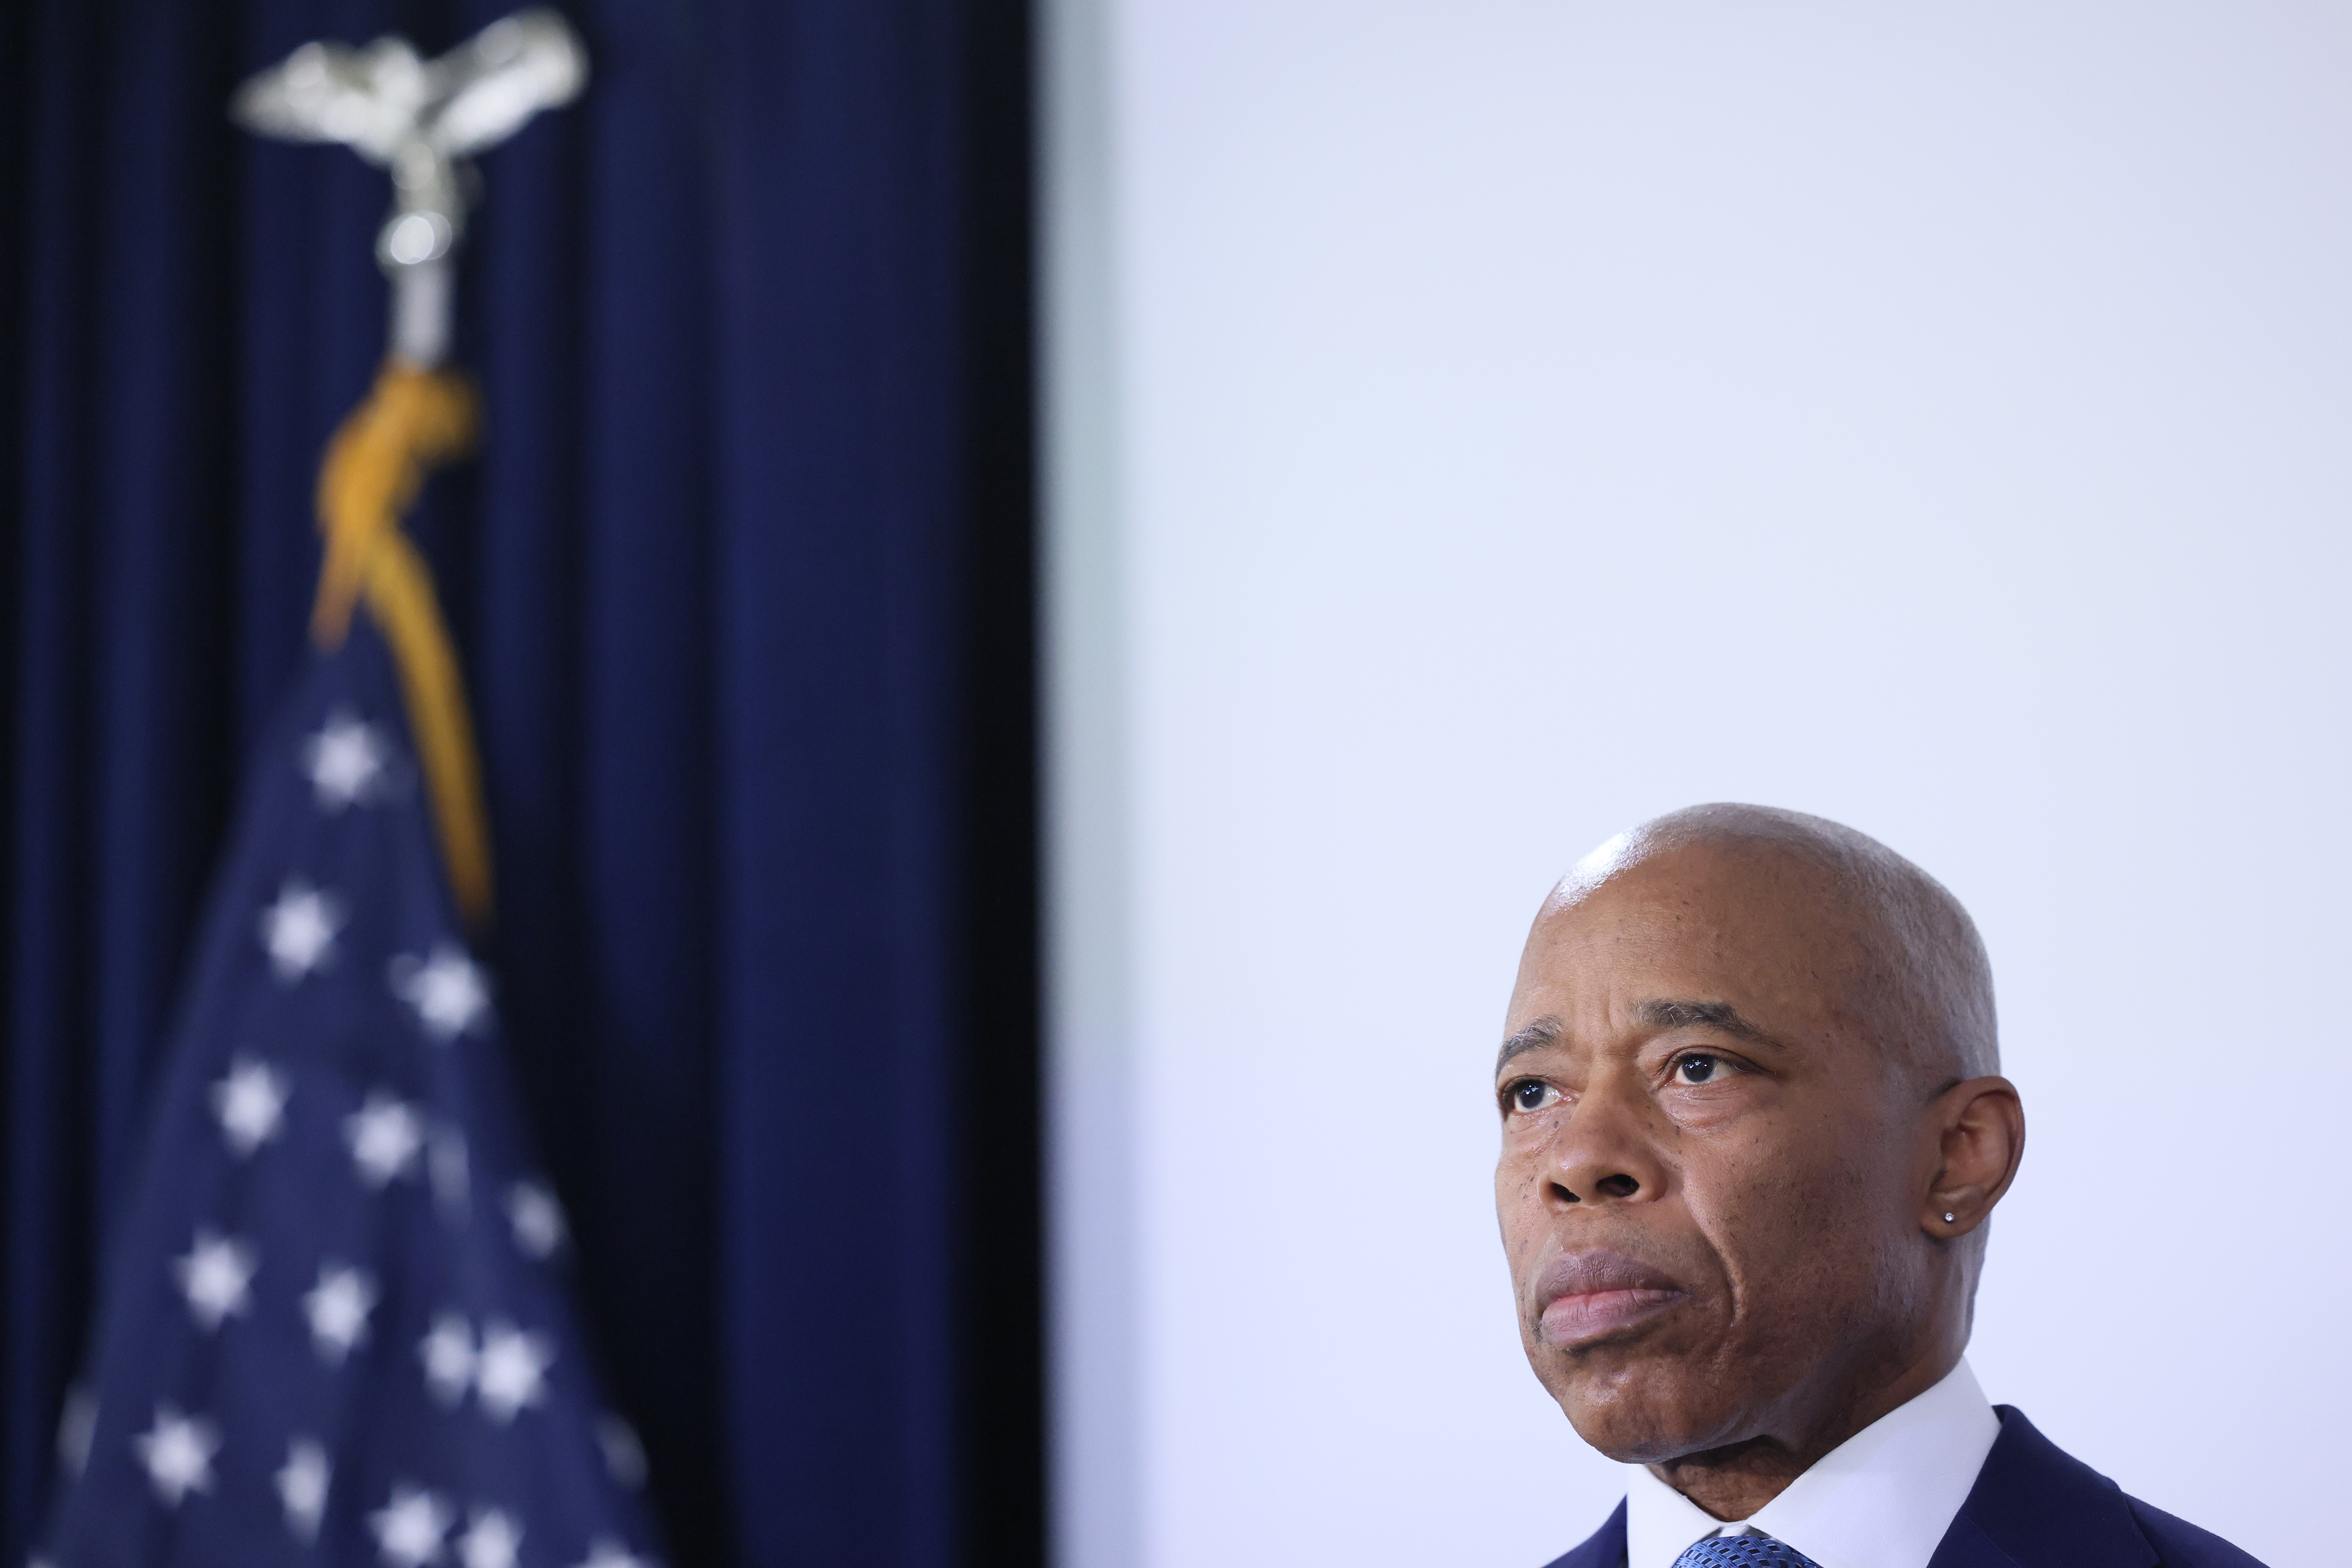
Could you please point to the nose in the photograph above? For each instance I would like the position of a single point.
(1605, 1150)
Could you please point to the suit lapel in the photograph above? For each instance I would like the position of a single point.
(2035, 1506)
(1604, 1548)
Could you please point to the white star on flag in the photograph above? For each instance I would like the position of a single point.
(607, 1552)
(536, 1218)
(449, 1356)
(345, 761)
(491, 1541)
(337, 1307)
(447, 990)
(299, 930)
(216, 1277)
(178, 1453)
(251, 1104)
(302, 1487)
(511, 1370)
(385, 1136)
(408, 1529)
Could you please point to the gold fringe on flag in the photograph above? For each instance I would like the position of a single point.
(412, 421)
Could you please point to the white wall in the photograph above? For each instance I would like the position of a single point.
(1480, 425)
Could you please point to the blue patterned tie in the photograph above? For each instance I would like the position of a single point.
(1742, 1552)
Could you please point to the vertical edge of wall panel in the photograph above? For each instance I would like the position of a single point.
(1092, 1299)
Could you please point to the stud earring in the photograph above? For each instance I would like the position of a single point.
(1950, 1219)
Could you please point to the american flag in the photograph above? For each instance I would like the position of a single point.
(335, 1327)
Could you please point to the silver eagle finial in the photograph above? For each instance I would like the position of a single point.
(422, 120)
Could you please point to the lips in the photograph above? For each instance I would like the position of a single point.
(1587, 1296)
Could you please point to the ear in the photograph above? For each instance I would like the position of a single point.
(1980, 1130)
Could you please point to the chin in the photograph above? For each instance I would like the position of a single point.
(1643, 1410)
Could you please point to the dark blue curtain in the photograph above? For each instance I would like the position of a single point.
(741, 576)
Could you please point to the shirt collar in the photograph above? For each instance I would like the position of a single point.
(1882, 1498)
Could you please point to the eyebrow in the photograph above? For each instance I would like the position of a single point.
(1720, 1016)
(1659, 1014)
(1544, 1031)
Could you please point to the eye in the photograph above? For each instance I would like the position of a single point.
(1698, 1067)
(1530, 1094)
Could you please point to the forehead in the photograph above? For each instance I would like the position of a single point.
(1765, 931)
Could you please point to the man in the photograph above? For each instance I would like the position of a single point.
(1752, 1133)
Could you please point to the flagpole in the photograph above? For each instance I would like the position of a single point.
(415, 249)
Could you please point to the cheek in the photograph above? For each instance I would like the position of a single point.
(1526, 1152)
(1519, 1206)
(1790, 1213)
(1515, 1183)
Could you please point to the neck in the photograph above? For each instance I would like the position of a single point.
(1732, 1482)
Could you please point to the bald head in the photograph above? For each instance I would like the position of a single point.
(1913, 970)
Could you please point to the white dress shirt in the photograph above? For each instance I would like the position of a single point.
(1882, 1498)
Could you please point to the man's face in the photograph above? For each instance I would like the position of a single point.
(1710, 1172)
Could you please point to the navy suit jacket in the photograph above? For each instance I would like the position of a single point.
(2033, 1506)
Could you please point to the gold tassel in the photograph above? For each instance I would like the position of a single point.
(412, 421)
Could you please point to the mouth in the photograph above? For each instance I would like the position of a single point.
(1584, 1297)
